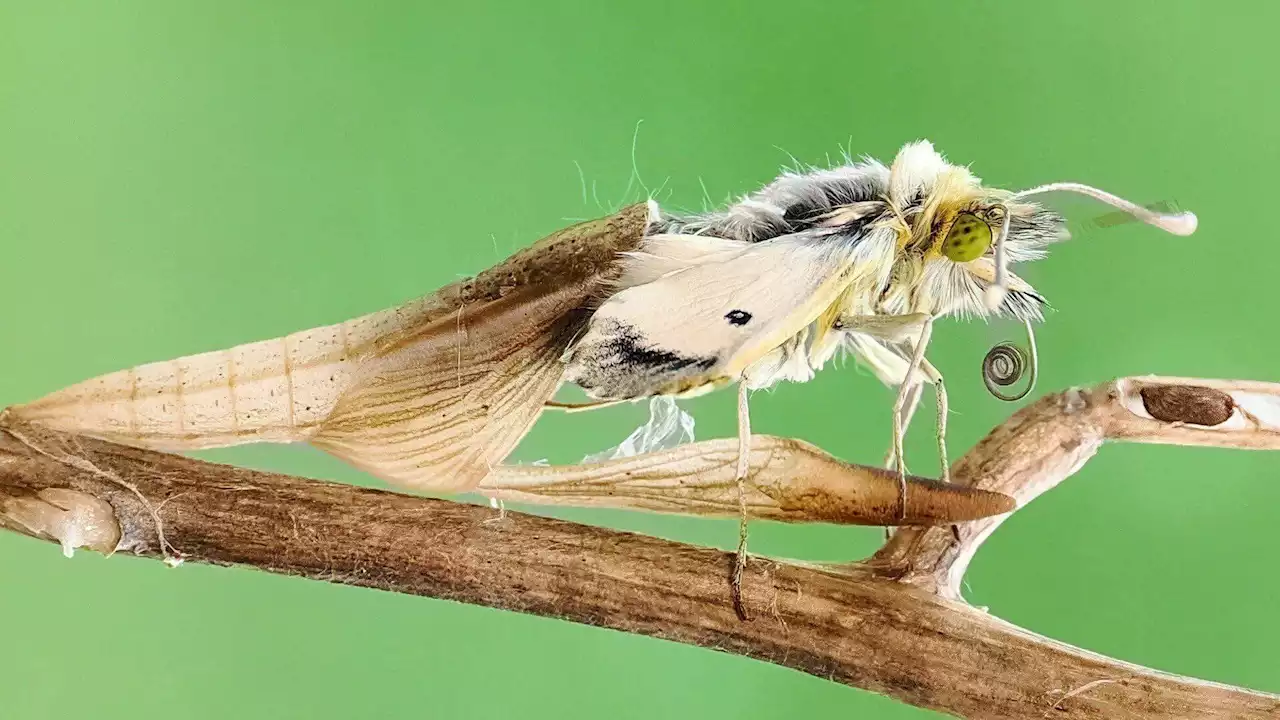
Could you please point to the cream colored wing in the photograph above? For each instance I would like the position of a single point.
(663, 254)
(443, 407)
(426, 395)
(702, 325)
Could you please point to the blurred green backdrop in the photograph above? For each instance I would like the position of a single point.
(182, 176)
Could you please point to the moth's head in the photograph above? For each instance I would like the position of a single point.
(965, 235)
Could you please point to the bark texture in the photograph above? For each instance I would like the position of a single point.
(894, 624)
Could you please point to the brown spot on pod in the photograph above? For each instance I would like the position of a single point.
(1187, 404)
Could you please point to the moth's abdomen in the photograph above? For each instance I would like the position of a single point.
(613, 361)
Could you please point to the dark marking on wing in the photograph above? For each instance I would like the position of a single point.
(738, 317)
(620, 365)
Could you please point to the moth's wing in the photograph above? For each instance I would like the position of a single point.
(346, 387)
(452, 400)
(704, 324)
(434, 409)
(665, 253)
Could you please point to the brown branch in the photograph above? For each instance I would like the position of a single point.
(893, 625)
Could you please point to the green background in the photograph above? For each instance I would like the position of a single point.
(179, 176)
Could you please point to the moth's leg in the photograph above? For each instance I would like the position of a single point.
(501, 507)
(898, 330)
(914, 393)
(915, 390)
(899, 405)
(940, 390)
(891, 331)
(741, 471)
(568, 407)
(889, 328)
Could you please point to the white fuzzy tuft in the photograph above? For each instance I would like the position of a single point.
(914, 171)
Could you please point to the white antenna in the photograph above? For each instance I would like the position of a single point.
(1183, 223)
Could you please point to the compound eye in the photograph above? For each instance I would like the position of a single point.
(968, 238)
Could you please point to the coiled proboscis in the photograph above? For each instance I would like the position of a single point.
(1003, 366)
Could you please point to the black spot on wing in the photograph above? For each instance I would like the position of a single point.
(738, 317)
(620, 365)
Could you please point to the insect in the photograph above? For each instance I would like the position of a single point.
(863, 257)
(435, 394)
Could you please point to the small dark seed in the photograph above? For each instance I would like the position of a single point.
(1188, 404)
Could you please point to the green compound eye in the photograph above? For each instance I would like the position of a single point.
(968, 239)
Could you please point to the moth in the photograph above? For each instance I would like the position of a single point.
(435, 394)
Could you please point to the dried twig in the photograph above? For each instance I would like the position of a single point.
(894, 624)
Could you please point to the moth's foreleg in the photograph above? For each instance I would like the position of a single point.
(892, 331)
(888, 328)
(899, 405)
(914, 393)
